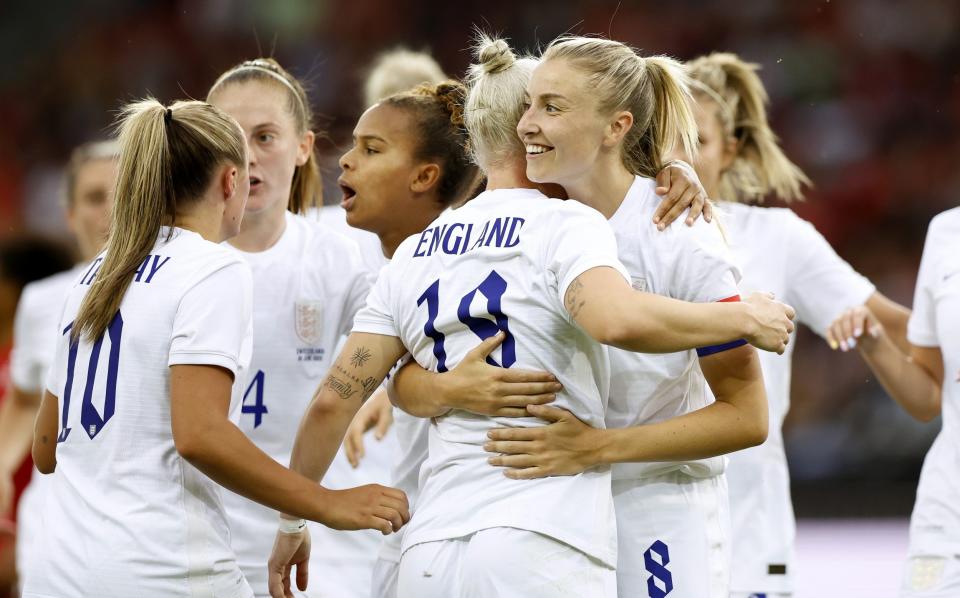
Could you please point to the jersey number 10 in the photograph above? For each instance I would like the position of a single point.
(93, 422)
(492, 288)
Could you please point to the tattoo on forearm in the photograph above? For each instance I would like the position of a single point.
(572, 300)
(347, 385)
(361, 356)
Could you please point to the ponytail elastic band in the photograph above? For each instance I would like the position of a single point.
(167, 116)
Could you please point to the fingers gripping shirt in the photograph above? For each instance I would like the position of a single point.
(502, 262)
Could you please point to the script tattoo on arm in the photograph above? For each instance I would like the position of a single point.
(347, 385)
(572, 300)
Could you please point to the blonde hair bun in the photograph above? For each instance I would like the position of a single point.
(495, 55)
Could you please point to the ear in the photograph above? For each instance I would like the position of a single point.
(305, 147)
(618, 128)
(229, 181)
(729, 153)
(425, 178)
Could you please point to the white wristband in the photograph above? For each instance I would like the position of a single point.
(292, 526)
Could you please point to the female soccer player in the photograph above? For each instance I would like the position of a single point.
(90, 178)
(544, 274)
(599, 123)
(740, 161)
(924, 380)
(308, 283)
(155, 338)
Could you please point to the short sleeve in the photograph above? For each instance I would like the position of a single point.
(213, 323)
(922, 326)
(376, 317)
(820, 284)
(56, 377)
(362, 280)
(580, 239)
(30, 331)
(703, 269)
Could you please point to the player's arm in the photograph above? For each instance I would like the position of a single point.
(45, 434)
(913, 379)
(474, 385)
(17, 417)
(567, 446)
(893, 317)
(611, 312)
(204, 436)
(681, 189)
(357, 372)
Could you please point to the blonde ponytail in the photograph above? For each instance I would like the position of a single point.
(167, 159)
(653, 89)
(760, 166)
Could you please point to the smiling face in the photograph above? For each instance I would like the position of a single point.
(275, 147)
(562, 128)
(379, 169)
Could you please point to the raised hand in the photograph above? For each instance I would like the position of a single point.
(853, 325)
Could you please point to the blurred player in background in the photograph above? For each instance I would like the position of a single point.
(23, 260)
(90, 178)
(308, 283)
(925, 381)
(740, 162)
(134, 508)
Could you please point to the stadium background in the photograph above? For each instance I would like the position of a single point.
(864, 93)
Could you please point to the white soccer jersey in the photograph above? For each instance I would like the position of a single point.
(935, 322)
(125, 514)
(34, 344)
(306, 290)
(371, 249)
(502, 262)
(682, 262)
(778, 252)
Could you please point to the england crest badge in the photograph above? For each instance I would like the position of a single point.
(308, 320)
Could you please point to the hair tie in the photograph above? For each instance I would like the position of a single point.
(167, 116)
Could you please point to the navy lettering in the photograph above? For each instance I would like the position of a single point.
(142, 269)
(446, 240)
(513, 239)
(157, 264)
(423, 239)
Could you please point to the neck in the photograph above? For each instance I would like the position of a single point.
(417, 221)
(510, 174)
(205, 220)
(604, 187)
(261, 231)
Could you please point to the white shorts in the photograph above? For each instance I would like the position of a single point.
(931, 577)
(385, 576)
(674, 537)
(502, 562)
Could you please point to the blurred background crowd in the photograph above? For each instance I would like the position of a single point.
(864, 93)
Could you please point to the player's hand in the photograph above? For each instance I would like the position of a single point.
(856, 325)
(772, 322)
(376, 413)
(289, 551)
(680, 187)
(566, 446)
(478, 387)
(366, 507)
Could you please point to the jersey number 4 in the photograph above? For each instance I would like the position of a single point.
(492, 289)
(93, 422)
